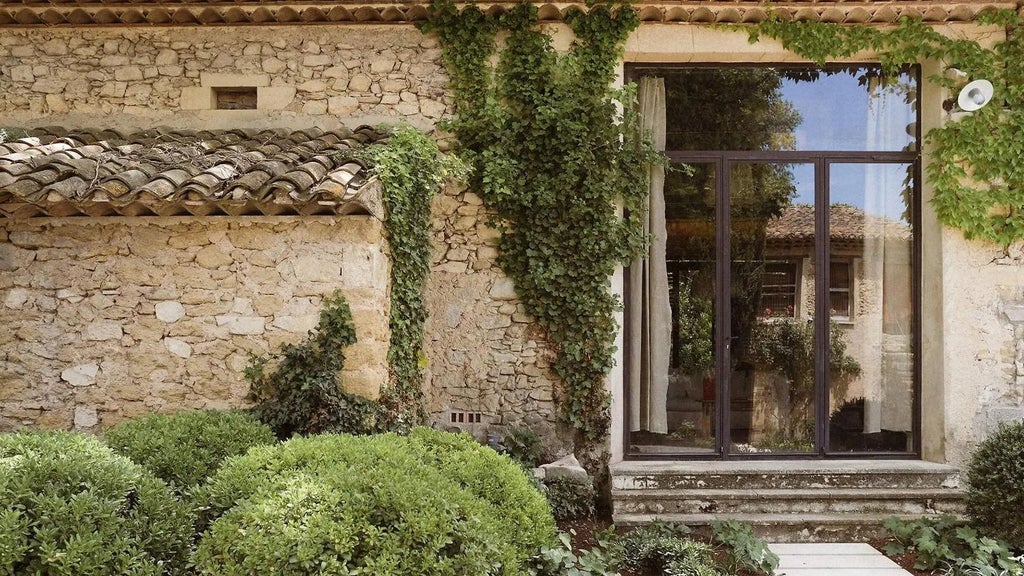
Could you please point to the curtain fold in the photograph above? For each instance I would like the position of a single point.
(650, 313)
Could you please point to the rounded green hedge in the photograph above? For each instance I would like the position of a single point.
(995, 484)
(431, 503)
(184, 448)
(69, 506)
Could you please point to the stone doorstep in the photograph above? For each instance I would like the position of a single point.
(640, 475)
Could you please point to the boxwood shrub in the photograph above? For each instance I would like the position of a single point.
(995, 484)
(382, 505)
(184, 448)
(69, 506)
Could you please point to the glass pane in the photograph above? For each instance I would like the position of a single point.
(772, 237)
(852, 108)
(684, 422)
(872, 355)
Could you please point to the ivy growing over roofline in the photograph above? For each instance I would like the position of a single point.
(977, 166)
(557, 152)
(411, 169)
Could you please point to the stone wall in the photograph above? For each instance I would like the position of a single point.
(306, 76)
(486, 354)
(107, 318)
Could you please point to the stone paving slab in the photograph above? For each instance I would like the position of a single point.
(840, 559)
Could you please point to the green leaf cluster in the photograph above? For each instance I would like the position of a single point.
(977, 168)
(427, 503)
(944, 542)
(297, 391)
(182, 449)
(745, 550)
(411, 169)
(69, 506)
(995, 484)
(557, 153)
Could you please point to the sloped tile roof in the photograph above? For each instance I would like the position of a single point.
(166, 172)
(848, 225)
(256, 12)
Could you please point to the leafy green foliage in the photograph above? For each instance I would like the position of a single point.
(571, 498)
(975, 168)
(745, 550)
(411, 169)
(183, 449)
(523, 446)
(944, 542)
(302, 394)
(995, 484)
(69, 506)
(664, 549)
(786, 345)
(552, 156)
(599, 560)
(428, 503)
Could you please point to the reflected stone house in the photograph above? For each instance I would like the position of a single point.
(794, 194)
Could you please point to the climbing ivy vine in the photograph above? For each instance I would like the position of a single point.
(557, 152)
(977, 167)
(411, 169)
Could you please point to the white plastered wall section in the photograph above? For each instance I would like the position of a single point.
(951, 387)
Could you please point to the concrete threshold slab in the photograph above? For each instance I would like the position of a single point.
(838, 559)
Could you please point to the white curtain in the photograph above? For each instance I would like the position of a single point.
(886, 257)
(650, 315)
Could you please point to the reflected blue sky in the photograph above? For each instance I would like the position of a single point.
(838, 113)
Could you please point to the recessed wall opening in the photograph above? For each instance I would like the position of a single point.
(777, 313)
(234, 98)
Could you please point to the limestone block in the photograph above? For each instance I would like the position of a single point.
(296, 324)
(177, 347)
(432, 108)
(314, 269)
(86, 417)
(102, 330)
(128, 74)
(317, 60)
(221, 80)
(336, 72)
(81, 375)
(166, 57)
(315, 107)
(382, 66)
(503, 289)
(169, 311)
(312, 86)
(212, 257)
(359, 83)
(242, 325)
(22, 74)
(275, 97)
(16, 298)
(56, 104)
(48, 86)
(342, 105)
(195, 98)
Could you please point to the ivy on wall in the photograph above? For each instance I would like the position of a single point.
(411, 169)
(977, 167)
(556, 152)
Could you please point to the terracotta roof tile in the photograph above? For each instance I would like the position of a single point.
(256, 12)
(848, 225)
(166, 172)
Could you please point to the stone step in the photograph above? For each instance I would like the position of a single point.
(760, 475)
(783, 527)
(790, 501)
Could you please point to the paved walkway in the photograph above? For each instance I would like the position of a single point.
(834, 560)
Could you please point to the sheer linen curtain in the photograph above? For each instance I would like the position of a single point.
(650, 328)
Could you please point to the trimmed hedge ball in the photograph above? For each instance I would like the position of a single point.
(69, 506)
(182, 449)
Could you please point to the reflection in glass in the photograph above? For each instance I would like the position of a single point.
(852, 108)
(690, 258)
(772, 265)
(871, 236)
